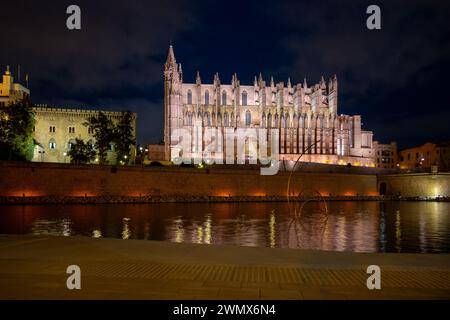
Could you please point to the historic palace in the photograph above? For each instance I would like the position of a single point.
(306, 118)
(56, 128)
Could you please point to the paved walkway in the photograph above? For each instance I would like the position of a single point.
(35, 268)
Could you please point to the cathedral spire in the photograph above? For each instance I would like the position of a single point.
(271, 82)
(171, 57)
(198, 80)
(305, 85)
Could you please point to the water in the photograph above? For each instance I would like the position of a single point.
(348, 226)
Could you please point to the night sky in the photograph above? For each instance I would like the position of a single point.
(397, 78)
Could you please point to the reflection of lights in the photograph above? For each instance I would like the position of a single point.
(179, 231)
(199, 234)
(65, 224)
(207, 239)
(96, 234)
(57, 227)
(126, 229)
(398, 231)
(272, 236)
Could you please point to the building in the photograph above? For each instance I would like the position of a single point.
(56, 129)
(385, 155)
(305, 117)
(10, 91)
(425, 156)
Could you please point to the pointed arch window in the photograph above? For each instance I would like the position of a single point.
(269, 121)
(206, 97)
(52, 144)
(263, 120)
(244, 98)
(248, 118)
(189, 97)
(224, 97)
(226, 119)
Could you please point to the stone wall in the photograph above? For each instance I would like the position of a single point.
(45, 179)
(416, 184)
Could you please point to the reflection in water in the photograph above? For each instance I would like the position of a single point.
(348, 226)
(126, 233)
(272, 232)
(398, 232)
(96, 234)
(54, 227)
(179, 232)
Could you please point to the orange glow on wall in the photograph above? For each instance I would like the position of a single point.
(82, 194)
(25, 193)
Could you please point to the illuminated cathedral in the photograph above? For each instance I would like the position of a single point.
(305, 116)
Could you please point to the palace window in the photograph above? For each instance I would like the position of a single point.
(189, 97)
(52, 144)
(91, 145)
(71, 144)
(244, 98)
(90, 130)
(71, 129)
(206, 97)
(52, 129)
(248, 118)
(224, 98)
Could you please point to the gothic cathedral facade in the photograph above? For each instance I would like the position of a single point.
(306, 117)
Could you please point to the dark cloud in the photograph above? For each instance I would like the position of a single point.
(396, 78)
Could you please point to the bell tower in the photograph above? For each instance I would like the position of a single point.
(173, 114)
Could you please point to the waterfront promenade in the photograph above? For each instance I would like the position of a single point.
(34, 267)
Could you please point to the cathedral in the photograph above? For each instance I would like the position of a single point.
(304, 117)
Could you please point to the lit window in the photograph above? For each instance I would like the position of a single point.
(52, 144)
(206, 97)
(226, 119)
(248, 118)
(189, 97)
(244, 98)
(224, 98)
(71, 144)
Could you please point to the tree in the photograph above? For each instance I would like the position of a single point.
(81, 152)
(16, 131)
(103, 129)
(124, 137)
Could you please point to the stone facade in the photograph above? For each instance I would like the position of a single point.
(426, 155)
(306, 117)
(54, 179)
(57, 128)
(386, 155)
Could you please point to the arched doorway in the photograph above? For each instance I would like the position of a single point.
(382, 188)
